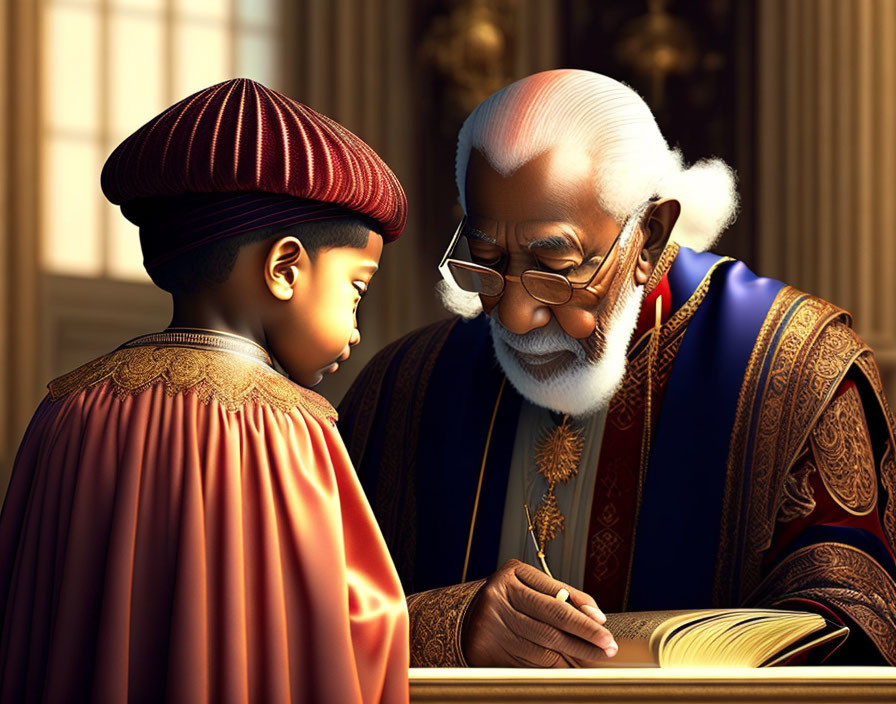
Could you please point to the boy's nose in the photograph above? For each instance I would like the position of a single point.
(355, 337)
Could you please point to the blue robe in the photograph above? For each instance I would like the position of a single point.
(430, 426)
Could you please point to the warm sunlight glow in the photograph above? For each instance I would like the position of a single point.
(108, 67)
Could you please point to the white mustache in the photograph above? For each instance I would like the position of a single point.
(547, 340)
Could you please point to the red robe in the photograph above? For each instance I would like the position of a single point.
(185, 524)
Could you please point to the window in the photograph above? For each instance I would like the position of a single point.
(108, 67)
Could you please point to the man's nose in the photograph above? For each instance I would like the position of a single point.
(519, 312)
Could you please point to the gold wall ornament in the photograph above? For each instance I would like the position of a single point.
(557, 456)
(657, 45)
(471, 48)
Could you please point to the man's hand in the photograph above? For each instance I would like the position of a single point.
(515, 621)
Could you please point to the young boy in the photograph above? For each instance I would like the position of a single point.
(183, 522)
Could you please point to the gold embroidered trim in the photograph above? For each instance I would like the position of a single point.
(557, 455)
(841, 445)
(888, 477)
(731, 527)
(628, 398)
(798, 500)
(664, 263)
(749, 390)
(659, 358)
(228, 378)
(842, 576)
(436, 624)
(814, 351)
(868, 367)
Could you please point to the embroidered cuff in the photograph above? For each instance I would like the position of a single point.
(436, 622)
(840, 576)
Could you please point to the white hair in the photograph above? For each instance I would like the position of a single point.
(632, 160)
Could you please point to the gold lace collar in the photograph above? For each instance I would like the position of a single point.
(208, 363)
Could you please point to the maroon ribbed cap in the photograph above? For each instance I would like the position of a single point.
(241, 137)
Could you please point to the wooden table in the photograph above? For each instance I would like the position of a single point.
(828, 685)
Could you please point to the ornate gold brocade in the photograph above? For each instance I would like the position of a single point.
(436, 620)
(888, 477)
(842, 576)
(841, 445)
(231, 379)
(786, 386)
(868, 367)
(798, 500)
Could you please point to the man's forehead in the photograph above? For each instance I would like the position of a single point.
(553, 186)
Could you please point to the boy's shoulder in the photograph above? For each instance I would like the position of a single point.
(231, 379)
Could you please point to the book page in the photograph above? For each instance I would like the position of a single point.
(738, 638)
(711, 637)
(633, 631)
(635, 625)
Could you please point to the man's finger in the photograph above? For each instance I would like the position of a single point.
(561, 617)
(586, 603)
(546, 637)
(531, 654)
(538, 580)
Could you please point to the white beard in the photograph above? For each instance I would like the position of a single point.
(582, 387)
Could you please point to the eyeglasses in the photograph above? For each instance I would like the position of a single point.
(544, 286)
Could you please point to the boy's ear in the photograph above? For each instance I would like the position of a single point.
(658, 223)
(282, 267)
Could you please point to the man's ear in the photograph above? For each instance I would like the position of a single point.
(284, 264)
(658, 223)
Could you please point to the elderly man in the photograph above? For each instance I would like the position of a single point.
(685, 433)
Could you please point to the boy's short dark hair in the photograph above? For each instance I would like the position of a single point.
(212, 263)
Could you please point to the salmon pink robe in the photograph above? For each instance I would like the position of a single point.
(183, 524)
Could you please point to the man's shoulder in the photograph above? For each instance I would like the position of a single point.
(787, 308)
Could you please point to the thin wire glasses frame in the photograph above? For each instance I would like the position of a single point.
(544, 286)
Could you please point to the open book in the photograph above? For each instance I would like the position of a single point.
(718, 637)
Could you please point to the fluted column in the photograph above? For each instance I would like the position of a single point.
(20, 382)
(826, 162)
(356, 62)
